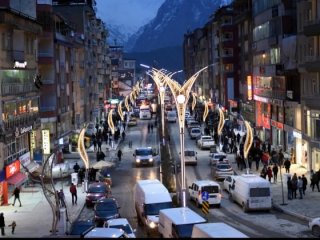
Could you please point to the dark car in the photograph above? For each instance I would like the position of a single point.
(95, 192)
(80, 226)
(105, 209)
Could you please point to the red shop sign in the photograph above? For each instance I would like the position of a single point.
(12, 168)
(276, 124)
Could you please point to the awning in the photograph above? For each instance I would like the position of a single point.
(32, 166)
(18, 179)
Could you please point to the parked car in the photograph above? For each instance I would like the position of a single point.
(78, 227)
(210, 188)
(222, 170)
(105, 209)
(101, 232)
(216, 157)
(121, 223)
(314, 226)
(205, 141)
(96, 191)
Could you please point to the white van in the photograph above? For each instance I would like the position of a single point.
(172, 116)
(216, 230)
(178, 222)
(252, 192)
(212, 189)
(144, 156)
(150, 197)
(145, 112)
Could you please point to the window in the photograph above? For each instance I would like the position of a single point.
(259, 192)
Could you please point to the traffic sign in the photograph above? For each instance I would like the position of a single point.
(205, 196)
(205, 207)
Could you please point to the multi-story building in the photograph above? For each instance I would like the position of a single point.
(275, 76)
(20, 131)
(243, 21)
(308, 23)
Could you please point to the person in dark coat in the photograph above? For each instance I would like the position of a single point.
(2, 224)
(305, 184)
(119, 154)
(287, 165)
(275, 170)
(289, 187)
(76, 167)
(16, 194)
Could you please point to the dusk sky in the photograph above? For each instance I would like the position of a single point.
(132, 13)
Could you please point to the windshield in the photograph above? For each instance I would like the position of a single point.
(125, 228)
(224, 166)
(219, 156)
(143, 152)
(210, 189)
(206, 138)
(154, 208)
(97, 189)
(259, 192)
(189, 153)
(106, 206)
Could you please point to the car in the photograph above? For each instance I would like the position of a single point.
(80, 226)
(216, 157)
(121, 223)
(205, 142)
(90, 129)
(222, 170)
(190, 157)
(227, 182)
(195, 132)
(208, 188)
(144, 156)
(102, 232)
(96, 191)
(132, 122)
(106, 209)
(314, 226)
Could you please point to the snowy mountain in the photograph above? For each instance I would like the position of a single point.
(119, 34)
(173, 20)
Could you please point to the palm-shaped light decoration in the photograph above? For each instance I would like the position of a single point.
(206, 111)
(221, 121)
(110, 121)
(120, 111)
(194, 101)
(248, 142)
(126, 103)
(181, 96)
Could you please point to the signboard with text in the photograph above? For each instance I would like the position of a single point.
(46, 141)
(12, 168)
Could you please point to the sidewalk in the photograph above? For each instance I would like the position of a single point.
(34, 218)
(306, 208)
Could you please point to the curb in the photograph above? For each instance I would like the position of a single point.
(279, 209)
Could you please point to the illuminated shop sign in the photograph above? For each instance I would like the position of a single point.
(18, 64)
(249, 84)
(12, 168)
(23, 130)
(33, 140)
(46, 141)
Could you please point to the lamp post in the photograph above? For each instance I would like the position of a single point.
(181, 95)
(84, 156)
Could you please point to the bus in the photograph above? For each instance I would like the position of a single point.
(145, 112)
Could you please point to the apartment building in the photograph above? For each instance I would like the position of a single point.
(20, 132)
(308, 41)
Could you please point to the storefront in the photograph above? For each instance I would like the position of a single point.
(277, 134)
(3, 189)
(315, 158)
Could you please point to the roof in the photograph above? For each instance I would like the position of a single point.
(104, 232)
(182, 215)
(220, 230)
(251, 178)
(155, 190)
(206, 183)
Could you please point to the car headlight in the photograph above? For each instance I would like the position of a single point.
(137, 160)
(152, 224)
(150, 159)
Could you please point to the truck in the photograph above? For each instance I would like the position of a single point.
(205, 142)
(150, 197)
(216, 230)
(178, 222)
(251, 192)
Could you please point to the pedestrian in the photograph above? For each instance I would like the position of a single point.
(2, 224)
(305, 184)
(61, 198)
(123, 135)
(13, 226)
(287, 165)
(119, 154)
(73, 191)
(294, 182)
(300, 187)
(269, 173)
(280, 158)
(99, 142)
(257, 160)
(275, 172)
(81, 174)
(315, 180)
(151, 127)
(238, 138)
(76, 167)
(95, 144)
(16, 194)
(289, 187)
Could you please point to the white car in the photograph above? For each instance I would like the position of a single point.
(190, 157)
(195, 133)
(314, 226)
(216, 157)
(121, 223)
(222, 170)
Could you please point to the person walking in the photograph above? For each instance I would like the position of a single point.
(275, 172)
(119, 154)
(76, 167)
(287, 165)
(99, 142)
(305, 184)
(2, 224)
(73, 191)
(151, 127)
(61, 198)
(300, 187)
(13, 226)
(315, 180)
(294, 182)
(16, 194)
(269, 173)
(94, 144)
(289, 187)
(123, 135)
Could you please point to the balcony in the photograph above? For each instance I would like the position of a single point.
(17, 88)
(24, 120)
(312, 27)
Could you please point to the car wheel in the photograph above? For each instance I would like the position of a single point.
(316, 231)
